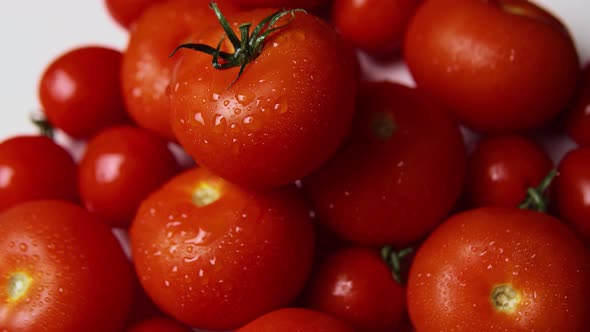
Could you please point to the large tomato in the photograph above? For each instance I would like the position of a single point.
(500, 269)
(250, 4)
(126, 12)
(578, 119)
(159, 325)
(300, 320)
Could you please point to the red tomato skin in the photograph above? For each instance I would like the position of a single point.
(264, 130)
(34, 167)
(81, 279)
(356, 286)
(578, 118)
(252, 4)
(571, 191)
(121, 167)
(80, 91)
(501, 66)
(502, 168)
(372, 192)
(456, 269)
(295, 319)
(219, 266)
(126, 12)
(159, 325)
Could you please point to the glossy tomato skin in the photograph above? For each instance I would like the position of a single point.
(159, 325)
(475, 261)
(501, 66)
(375, 26)
(80, 91)
(62, 269)
(34, 167)
(403, 151)
(502, 168)
(126, 12)
(570, 191)
(295, 319)
(216, 256)
(265, 130)
(578, 118)
(356, 286)
(252, 4)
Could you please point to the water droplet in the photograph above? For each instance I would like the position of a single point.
(201, 238)
(281, 106)
(215, 97)
(237, 111)
(251, 123)
(220, 124)
(199, 118)
(245, 97)
(23, 247)
(226, 102)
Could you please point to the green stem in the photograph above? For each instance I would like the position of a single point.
(43, 125)
(537, 197)
(397, 261)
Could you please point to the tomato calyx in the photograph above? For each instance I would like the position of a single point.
(18, 286)
(398, 262)
(537, 197)
(505, 298)
(246, 49)
(205, 194)
(383, 126)
(43, 125)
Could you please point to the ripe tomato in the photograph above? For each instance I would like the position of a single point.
(34, 167)
(578, 119)
(502, 168)
(501, 66)
(356, 286)
(159, 325)
(571, 191)
(500, 269)
(375, 26)
(251, 4)
(266, 129)
(80, 91)
(216, 256)
(121, 167)
(403, 151)
(61, 270)
(126, 12)
(300, 320)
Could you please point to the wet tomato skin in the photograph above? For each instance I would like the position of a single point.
(295, 319)
(159, 325)
(505, 269)
(34, 167)
(126, 12)
(578, 118)
(252, 4)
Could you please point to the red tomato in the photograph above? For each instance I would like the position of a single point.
(126, 12)
(578, 119)
(404, 151)
(80, 91)
(282, 118)
(34, 167)
(500, 269)
(61, 270)
(251, 4)
(501, 66)
(120, 168)
(375, 26)
(159, 325)
(216, 256)
(571, 191)
(502, 168)
(356, 286)
(300, 320)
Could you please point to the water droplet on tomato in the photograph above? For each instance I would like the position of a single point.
(226, 103)
(245, 97)
(199, 118)
(23, 247)
(252, 123)
(215, 97)
(220, 124)
(237, 111)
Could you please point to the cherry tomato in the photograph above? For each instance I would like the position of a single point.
(159, 325)
(292, 319)
(216, 256)
(502, 168)
(355, 286)
(578, 119)
(80, 91)
(500, 269)
(501, 66)
(61, 270)
(375, 26)
(120, 168)
(283, 117)
(404, 151)
(34, 167)
(126, 12)
(251, 4)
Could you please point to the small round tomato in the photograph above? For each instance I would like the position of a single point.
(502, 168)
(571, 191)
(120, 168)
(251, 4)
(126, 12)
(61, 270)
(501, 66)
(500, 269)
(375, 26)
(356, 286)
(216, 256)
(159, 325)
(80, 91)
(578, 119)
(282, 118)
(403, 152)
(300, 320)
(34, 167)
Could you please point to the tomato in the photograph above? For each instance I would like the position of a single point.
(126, 12)
(571, 191)
(502, 168)
(403, 151)
(61, 270)
(34, 167)
(500, 269)
(356, 286)
(266, 128)
(80, 91)
(578, 118)
(216, 256)
(159, 325)
(292, 319)
(375, 26)
(251, 4)
(501, 66)
(120, 168)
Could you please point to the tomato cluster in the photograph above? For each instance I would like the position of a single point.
(314, 199)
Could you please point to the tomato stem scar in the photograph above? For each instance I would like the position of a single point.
(205, 194)
(382, 125)
(505, 298)
(18, 285)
